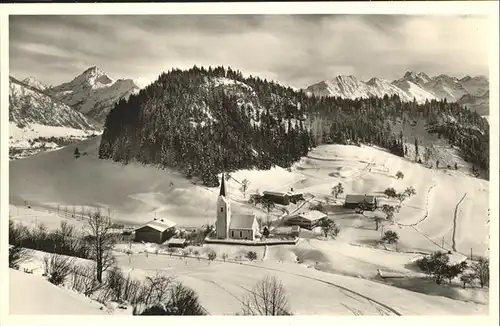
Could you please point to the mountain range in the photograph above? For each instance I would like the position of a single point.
(472, 92)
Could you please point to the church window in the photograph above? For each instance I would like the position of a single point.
(232, 234)
(222, 209)
(241, 234)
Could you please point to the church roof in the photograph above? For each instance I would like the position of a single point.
(223, 190)
(242, 222)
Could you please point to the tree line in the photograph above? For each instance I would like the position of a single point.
(205, 121)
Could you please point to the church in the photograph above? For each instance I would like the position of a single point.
(228, 226)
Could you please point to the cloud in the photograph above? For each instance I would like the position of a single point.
(297, 50)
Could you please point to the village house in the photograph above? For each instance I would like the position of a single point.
(229, 226)
(280, 198)
(354, 201)
(307, 220)
(156, 231)
(177, 243)
(290, 231)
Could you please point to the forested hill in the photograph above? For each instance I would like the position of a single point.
(205, 121)
(371, 121)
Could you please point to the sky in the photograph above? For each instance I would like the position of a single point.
(296, 50)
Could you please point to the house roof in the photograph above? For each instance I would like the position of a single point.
(359, 198)
(177, 241)
(159, 224)
(283, 230)
(274, 193)
(312, 215)
(242, 222)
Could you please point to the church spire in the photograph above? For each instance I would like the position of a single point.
(222, 187)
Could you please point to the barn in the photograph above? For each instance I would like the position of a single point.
(155, 231)
(307, 220)
(277, 197)
(354, 201)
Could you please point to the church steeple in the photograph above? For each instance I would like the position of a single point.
(222, 187)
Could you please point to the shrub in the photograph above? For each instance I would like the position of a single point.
(17, 256)
(390, 192)
(58, 268)
(437, 266)
(251, 255)
(212, 255)
(329, 228)
(181, 301)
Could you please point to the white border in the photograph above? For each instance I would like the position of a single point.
(488, 8)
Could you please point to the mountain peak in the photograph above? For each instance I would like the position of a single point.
(35, 83)
(94, 70)
(410, 75)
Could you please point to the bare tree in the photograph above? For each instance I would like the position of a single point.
(244, 187)
(482, 271)
(337, 190)
(102, 240)
(267, 298)
(427, 155)
(410, 191)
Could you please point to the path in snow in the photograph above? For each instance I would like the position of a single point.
(453, 246)
(426, 210)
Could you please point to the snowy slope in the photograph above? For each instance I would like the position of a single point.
(33, 295)
(94, 93)
(29, 105)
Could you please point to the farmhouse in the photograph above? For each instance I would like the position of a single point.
(307, 220)
(354, 201)
(157, 231)
(277, 197)
(233, 226)
(295, 196)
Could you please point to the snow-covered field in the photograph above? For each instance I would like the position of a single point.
(450, 209)
(221, 285)
(32, 139)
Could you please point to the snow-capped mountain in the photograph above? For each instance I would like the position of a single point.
(28, 105)
(39, 122)
(480, 104)
(94, 93)
(476, 86)
(35, 83)
(412, 85)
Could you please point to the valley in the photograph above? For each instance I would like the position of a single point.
(96, 144)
